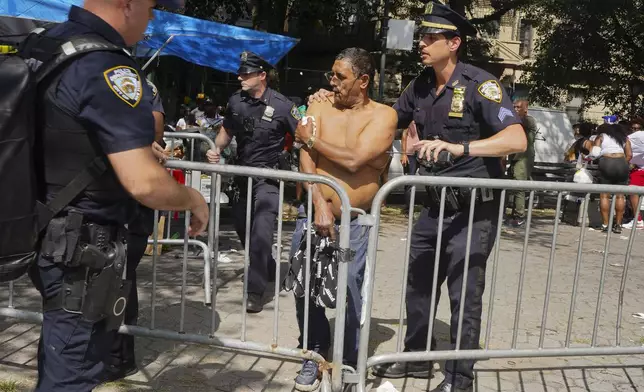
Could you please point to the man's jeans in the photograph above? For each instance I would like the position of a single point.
(319, 330)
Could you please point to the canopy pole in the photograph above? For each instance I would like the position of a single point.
(157, 53)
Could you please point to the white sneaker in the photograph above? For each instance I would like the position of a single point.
(629, 225)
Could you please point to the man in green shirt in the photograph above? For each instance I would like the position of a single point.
(521, 164)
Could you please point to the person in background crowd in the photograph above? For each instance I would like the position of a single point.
(210, 119)
(186, 120)
(637, 125)
(521, 164)
(613, 149)
(583, 142)
(636, 139)
(199, 112)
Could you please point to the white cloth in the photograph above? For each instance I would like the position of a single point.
(181, 124)
(610, 146)
(199, 114)
(637, 145)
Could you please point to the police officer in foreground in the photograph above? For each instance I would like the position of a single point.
(462, 110)
(96, 109)
(258, 117)
(122, 363)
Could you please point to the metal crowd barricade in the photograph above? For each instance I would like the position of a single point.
(365, 362)
(205, 248)
(329, 383)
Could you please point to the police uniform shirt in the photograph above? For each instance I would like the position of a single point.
(157, 103)
(259, 126)
(107, 92)
(473, 105)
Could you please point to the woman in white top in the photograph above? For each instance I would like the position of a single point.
(614, 151)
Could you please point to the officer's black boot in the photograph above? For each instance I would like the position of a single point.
(404, 369)
(254, 304)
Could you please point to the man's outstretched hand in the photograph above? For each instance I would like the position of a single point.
(320, 96)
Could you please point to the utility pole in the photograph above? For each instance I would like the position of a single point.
(384, 28)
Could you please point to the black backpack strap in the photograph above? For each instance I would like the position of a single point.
(72, 49)
(82, 180)
(68, 51)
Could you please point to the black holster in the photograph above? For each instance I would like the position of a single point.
(94, 259)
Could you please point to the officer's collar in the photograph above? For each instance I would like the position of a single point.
(95, 23)
(263, 99)
(456, 79)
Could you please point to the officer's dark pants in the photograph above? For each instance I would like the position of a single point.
(264, 209)
(71, 350)
(319, 339)
(452, 258)
(123, 347)
(137, 240)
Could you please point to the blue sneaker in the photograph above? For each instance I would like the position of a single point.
(307, 380)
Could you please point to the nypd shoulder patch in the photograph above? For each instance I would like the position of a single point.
(125, 82)
(153, 87)
(491, 90)
(296, 113)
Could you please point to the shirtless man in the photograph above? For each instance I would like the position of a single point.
(353, 135)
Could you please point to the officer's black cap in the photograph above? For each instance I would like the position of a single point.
(440, 19)
(251, 62)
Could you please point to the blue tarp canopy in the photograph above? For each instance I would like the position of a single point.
(197, 41)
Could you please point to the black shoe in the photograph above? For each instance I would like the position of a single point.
(446, 386)
(254, 304)
(115, 373)
(617, 229)
(403, 369)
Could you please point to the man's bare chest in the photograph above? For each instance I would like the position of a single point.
(342, 129)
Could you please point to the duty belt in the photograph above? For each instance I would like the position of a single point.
(456, 199)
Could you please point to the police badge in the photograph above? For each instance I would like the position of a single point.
(268, 114)
(244, 56)
(458, 102)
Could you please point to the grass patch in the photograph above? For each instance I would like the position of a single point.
(8, 386)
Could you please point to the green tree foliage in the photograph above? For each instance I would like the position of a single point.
(595, 47)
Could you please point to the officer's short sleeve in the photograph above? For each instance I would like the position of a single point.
(405, 106)
(229, 124)
(495, 106)
(111, 100)
(292, 118)
(157, 103)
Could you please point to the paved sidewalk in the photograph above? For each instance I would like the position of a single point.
(171, 366)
